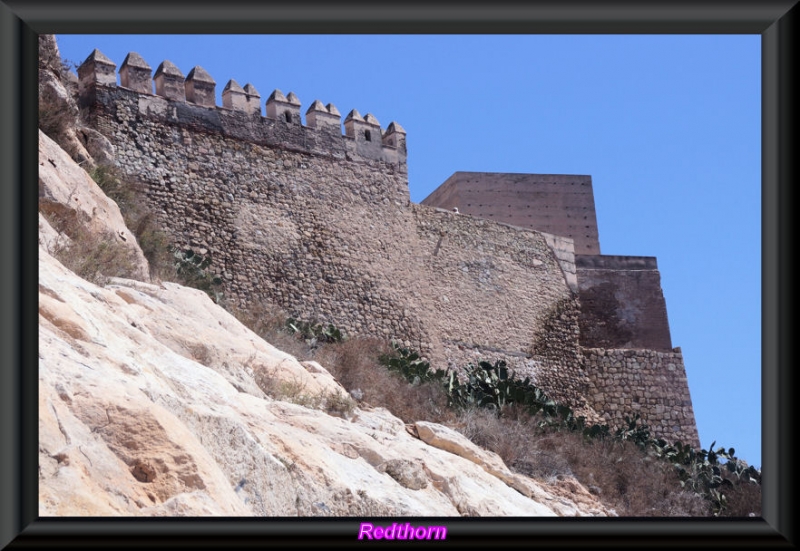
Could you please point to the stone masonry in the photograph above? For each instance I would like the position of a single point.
(559, 204)
(648, 382)
(622, 304)
(320, 223)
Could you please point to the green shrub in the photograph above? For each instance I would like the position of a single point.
(314, 333)
(710, 474)
(192, 270)
(410, 366)
(155, 246)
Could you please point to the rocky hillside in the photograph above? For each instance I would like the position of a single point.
(155, 401)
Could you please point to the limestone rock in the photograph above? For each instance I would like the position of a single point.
(49, 238)
(58, 115)
(58, 111)
(68, 193)
(98, 146)
(448, 439)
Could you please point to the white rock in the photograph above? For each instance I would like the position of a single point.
(66, 190)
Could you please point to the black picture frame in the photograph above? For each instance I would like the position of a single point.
(21, 21)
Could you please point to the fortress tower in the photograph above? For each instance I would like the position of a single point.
(622, 304)
(554, 203)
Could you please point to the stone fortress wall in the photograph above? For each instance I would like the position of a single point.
(320, 222)
(624, 331)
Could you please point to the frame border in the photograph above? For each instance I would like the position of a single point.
(775, 21)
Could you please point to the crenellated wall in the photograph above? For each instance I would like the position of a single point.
(320, 222)
(190, 101)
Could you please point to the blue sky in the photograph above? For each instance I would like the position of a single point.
(668, 126)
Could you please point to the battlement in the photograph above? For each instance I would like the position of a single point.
(615, 262)
(168, 96)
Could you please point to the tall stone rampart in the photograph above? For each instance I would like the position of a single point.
(320, 222)
(295, 216)
(316, 233)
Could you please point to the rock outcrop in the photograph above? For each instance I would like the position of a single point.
(68, 195)
(58, 110)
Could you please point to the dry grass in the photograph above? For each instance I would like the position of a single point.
(513, 441)
(630, 481)
(620, 474)
(355, 365)
(130, 197)
(268, 321)
(339, 404)
(93, 257)
(333, 403)
(743, 499)
(55, 117)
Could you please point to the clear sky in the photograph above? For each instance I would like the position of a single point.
(668, 126)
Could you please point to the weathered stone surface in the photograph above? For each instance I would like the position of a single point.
(100, 148)
(622, 303)
(449, 440)
(48, 237)
(559, 204)
(651, 383)
(135, 73)
(68, 192)
(58, 112)
(169, 81)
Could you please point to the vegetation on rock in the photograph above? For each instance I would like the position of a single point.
(711, 474)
